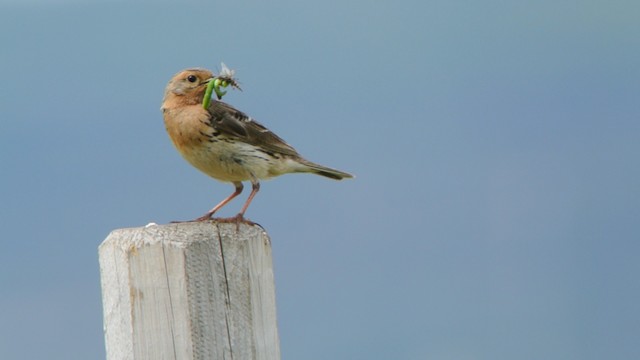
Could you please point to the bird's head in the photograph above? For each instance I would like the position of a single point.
(188, 85)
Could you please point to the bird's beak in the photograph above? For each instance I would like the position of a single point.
(206, 81)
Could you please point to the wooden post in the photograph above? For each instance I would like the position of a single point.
(200, 290)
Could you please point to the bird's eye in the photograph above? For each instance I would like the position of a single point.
(192, 78)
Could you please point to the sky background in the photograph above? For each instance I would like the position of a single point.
(496, 209)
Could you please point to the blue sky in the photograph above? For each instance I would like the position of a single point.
(496, 146)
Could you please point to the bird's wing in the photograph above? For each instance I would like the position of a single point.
(234, 123)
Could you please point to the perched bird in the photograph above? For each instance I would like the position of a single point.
(225, 143)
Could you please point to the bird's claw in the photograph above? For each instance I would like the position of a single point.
(235, 219)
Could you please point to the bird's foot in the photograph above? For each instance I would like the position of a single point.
(238, 219)
(204, 217)
(235, 219)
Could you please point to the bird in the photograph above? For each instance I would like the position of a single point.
(225, 143)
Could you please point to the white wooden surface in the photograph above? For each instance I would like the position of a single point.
(189, 291)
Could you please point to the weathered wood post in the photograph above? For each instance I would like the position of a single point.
(200, 290)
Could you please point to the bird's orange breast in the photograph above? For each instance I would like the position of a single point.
(187, 127)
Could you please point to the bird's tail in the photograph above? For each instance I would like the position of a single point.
(324, 171)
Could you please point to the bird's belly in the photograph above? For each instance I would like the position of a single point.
(231, 161)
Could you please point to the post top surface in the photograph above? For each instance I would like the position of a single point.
(183, 234)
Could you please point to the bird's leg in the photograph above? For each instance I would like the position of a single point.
(222, 203)
(255, 187)
(240, 217)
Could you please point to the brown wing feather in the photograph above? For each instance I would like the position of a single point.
(234, 123)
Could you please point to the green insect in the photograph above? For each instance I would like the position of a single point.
(224, 80)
